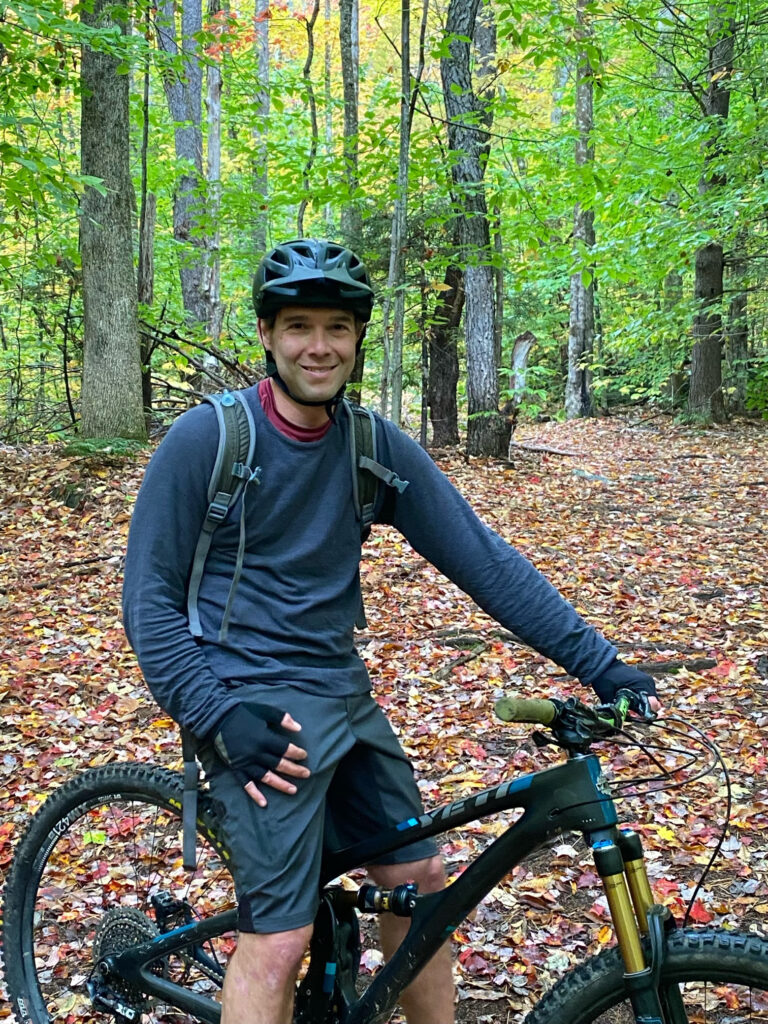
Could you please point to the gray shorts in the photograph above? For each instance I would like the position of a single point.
(361, 784)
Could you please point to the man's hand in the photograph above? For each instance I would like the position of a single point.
(249, 738)
(619, 676)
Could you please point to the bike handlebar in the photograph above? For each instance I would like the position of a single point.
(574, 726)
(521, 709)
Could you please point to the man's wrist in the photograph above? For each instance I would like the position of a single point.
(620, 676)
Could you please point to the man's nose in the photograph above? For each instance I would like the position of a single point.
(319, 340)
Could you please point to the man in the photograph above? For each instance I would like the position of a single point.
(296, 749)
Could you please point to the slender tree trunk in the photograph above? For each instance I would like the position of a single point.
(146, 283)
(444, 360)
(351, 218)
(672, 289)
(146, 270)
(260, 167)
(184, 93)
(328, 98)
(392, 385)
(211, 280)
(498, 282)
(738, 329)
(312, 104)
(578, 397)
(111, 401)
(705, 398)
(468, 123)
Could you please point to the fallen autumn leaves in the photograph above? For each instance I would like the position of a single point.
(655, 531)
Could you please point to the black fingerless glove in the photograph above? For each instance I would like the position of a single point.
(619, 676)
(250, 740)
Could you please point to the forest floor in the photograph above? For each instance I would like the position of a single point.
(654, 530)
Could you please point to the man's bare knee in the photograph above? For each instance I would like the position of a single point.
(429, 874)
(274, 957)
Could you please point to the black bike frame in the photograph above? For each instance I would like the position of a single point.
(566, 798)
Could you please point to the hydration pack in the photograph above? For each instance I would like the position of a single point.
(233, 473)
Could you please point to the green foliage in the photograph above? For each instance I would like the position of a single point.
(757, 388)
(651, 216)
(538, 395)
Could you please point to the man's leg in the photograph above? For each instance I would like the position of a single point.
(261, 976)
(430, 998)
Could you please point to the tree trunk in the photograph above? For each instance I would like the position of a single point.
(519, 363)
(260, 167)
(498, 296)
(111, 400)
(392, 386)
(328, 100)
(738, 329)
(351, 218)
(468, 122)
(184, 92)
(444, 360)
(146, 286)
(146, 269)
(705, 398)
(211, 280)
(581, 334)
(309, 25)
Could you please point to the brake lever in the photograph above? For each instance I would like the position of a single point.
(639, 703)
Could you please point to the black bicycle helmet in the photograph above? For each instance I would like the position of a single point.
(312, 272)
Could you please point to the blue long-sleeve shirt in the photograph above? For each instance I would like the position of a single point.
(298, 597)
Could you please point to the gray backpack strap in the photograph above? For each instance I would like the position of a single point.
(231, 473)
(189, 802)
(367, 471)
(367, 474)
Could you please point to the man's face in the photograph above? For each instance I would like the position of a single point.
(314, 349)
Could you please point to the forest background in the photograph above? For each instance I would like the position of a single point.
(563, 206)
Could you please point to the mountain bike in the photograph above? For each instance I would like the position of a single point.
(103, 922)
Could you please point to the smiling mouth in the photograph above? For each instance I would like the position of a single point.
(318, 371)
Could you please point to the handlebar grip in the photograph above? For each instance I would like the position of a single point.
(518, 709)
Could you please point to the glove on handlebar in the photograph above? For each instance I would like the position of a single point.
(619, 676)
(249, 739)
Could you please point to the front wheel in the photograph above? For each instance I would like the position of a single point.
(100, 869)
(722, 976)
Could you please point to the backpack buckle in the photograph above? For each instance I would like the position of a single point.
(218, 508)
(243, 472)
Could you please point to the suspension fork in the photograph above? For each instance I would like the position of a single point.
(620, 863)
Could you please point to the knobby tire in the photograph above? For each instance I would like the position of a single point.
(723, 975)
(101, 845)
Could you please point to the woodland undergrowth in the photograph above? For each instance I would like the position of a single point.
(654, 530)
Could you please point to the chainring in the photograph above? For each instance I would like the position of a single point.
(118, 930)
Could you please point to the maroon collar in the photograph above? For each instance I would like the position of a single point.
(292, 430)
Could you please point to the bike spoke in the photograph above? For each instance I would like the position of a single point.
(110, 860)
